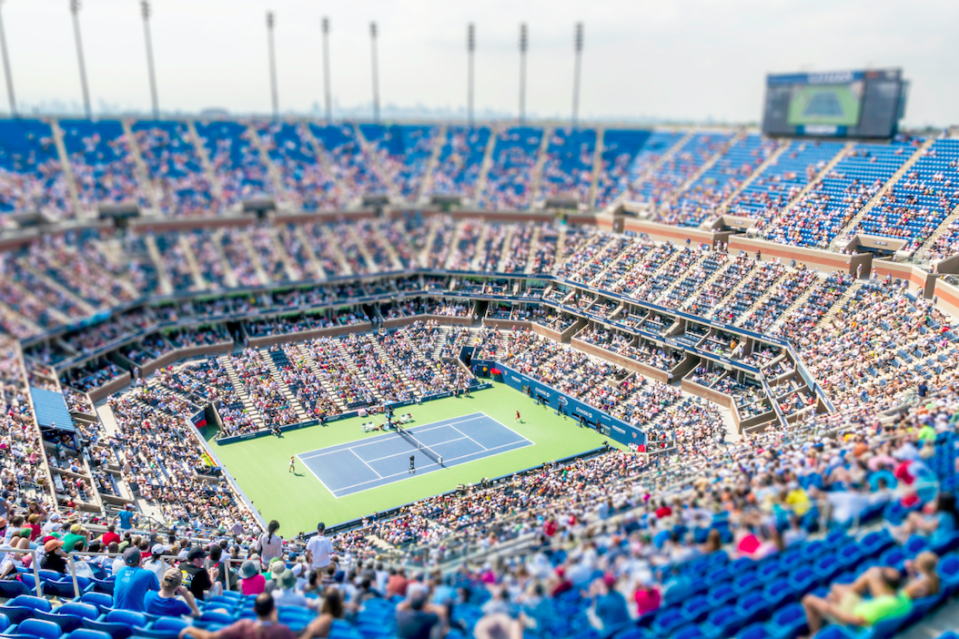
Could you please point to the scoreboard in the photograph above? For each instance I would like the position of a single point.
(855, 104)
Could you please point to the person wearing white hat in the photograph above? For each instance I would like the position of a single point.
(155, 563)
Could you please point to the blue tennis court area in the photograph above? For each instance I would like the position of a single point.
(368, 463)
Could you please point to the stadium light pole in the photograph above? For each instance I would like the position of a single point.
(523, 44)
(6, 67)
(145, 12)
(326, 69)
(75, 10)
(270, 22)
(578, 43)
(470, 49)
(376, 77)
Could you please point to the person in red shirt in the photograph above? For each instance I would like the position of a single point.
(265, 626)
(110, 536)
(33, 523)
(647, 597)
(549, 528)
(664, 510)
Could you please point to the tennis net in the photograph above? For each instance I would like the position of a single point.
(419, 445)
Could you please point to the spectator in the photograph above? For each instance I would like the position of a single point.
(286, 593)
(198, 579)
(126, 517)
(888, 596)
(165, 603)
(609, 605)
(939, 524)
(265, 626)
(270, 545)
(133, 582)
(252, 581)
(319, 549)
(155, 563)
(53, 558)
(332, 609)
(417, 619)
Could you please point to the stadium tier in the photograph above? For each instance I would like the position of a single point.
(678, 383)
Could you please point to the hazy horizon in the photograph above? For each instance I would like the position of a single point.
(689, 61)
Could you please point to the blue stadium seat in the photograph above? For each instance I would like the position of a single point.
(12, 589)
(102, 601)
(37, 628)
(720, 623)
(788, 622)
(70, 615)
(119, 624)
(24, 607)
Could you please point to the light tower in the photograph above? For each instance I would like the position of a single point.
(578, 44)
(6, 68)
(75, 10)
(326, 69)
(145, 12)
(470, 49)
(270, 22)
(523, 44)
(376, 77)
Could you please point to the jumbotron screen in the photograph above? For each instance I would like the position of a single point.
(857, 104)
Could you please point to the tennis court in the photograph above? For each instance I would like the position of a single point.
(350, 468)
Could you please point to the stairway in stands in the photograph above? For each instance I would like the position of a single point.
(274, 359)
(240, 389)
(391, 363)
(321, 375)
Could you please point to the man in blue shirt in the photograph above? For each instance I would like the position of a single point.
(127, 519)
(133, 582)
(165, 603)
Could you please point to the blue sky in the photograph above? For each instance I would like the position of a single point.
(676, 60)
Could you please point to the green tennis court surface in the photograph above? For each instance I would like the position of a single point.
(298, 500)
(824, 104)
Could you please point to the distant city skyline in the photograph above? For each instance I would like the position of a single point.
(643, 61)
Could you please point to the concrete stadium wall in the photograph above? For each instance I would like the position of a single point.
(302, 336)
(114, 385)
(620, 360)
(184, 353)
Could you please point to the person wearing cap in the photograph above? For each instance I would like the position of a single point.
(286, 593)
(198, 579)
(110, 536)
(53, 558)
(155, 563)
(133, 582)
(77, 535)
(609, 604)
(165, 602)
(319, 549)
(252, 581)
(416, 618)
(126, 517)
(265, 626)
(277, 566)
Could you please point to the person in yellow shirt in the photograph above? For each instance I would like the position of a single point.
(797, 499)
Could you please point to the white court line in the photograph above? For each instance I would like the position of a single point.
(317, 477)
(406, 452)
(445, 461)
(469, 438)
(386, 437)
(364, 461)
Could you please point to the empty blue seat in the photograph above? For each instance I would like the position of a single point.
(12, 589)
(84, 633)
(102, 601)
(24, 607)
(38, 628)
(753, 607)
(119, 624)
(720, 623)
(788, 622)
(755, 631)
(70, 615)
